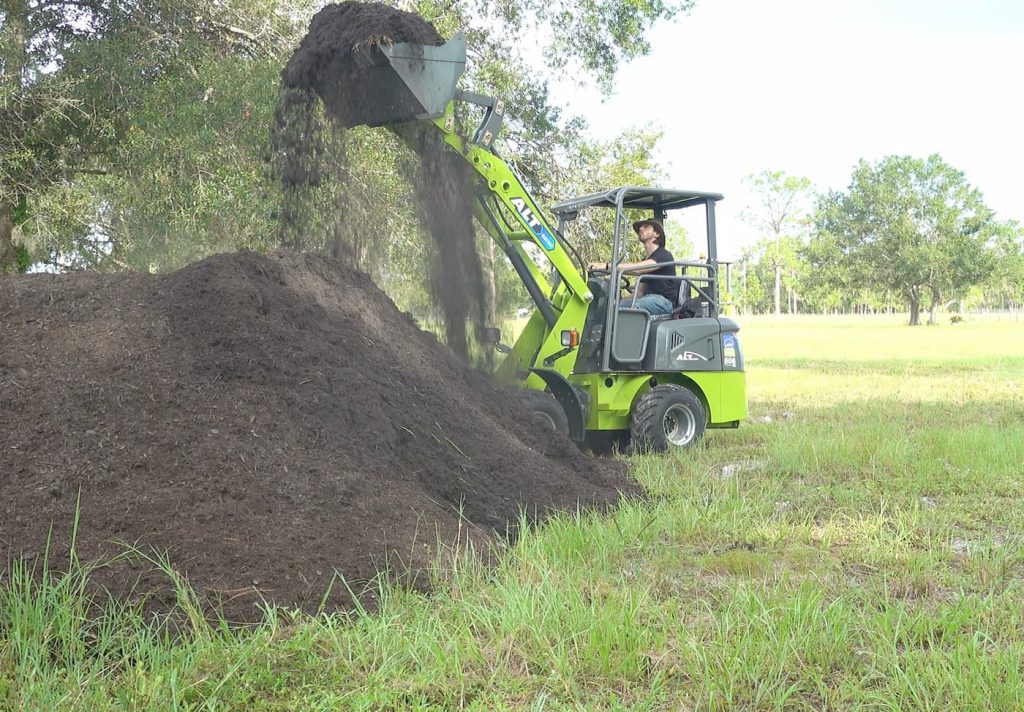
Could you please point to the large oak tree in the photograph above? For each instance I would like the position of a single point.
(71, 71)
(914, 226)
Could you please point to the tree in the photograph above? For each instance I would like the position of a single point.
(910, 225)
(750, 293)
(1006, 282)
(771, 261)
(595, 35)
(70, 73)
(36, 116)
(782, 211)
(830, 284)
(155, 149)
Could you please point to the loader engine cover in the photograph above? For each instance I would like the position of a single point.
(702, 344)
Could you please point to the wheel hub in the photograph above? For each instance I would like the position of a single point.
(546, 419)
(680, 425)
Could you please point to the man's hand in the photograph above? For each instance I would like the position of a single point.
(599, 267)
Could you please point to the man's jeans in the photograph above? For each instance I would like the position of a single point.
(652, 304)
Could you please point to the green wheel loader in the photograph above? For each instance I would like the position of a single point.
(593, 366)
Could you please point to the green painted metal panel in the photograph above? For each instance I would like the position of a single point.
(611, 405)
(734, 397)
(724, 392)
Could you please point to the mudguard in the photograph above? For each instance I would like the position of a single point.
(568, 397)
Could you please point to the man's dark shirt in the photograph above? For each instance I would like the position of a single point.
(668, 288)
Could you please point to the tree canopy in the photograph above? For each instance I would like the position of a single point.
(914, 226)
(71, 75)
(157, 147)
(137, 134)
(907, 232)
(781, 216)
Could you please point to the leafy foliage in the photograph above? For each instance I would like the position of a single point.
(71, 74)
(1006, 282)
(908, 231)
(168, 156)
(596, 35)
(781, 216)
(912, 226)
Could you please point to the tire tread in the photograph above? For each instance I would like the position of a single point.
(646, 426)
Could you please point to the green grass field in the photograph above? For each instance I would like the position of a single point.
(858, 544)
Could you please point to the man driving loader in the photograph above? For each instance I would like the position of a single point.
(656, 296)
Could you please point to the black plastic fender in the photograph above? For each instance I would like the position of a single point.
(571, 400)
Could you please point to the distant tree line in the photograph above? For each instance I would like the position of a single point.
(907, 235)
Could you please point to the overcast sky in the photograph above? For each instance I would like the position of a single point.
(810, 86)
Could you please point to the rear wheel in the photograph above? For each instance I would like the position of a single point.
(667, 417)
(546, 410)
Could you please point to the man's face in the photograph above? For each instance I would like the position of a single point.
(647, 233)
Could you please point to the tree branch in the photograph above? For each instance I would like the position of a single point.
(84, 4)
(232, 33)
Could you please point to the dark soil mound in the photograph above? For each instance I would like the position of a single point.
(267, 420)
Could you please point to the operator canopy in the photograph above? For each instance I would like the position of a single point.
(635, 197)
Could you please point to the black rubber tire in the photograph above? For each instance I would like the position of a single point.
(545, 409)
(667, 417)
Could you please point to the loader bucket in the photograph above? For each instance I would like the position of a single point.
(386, 84)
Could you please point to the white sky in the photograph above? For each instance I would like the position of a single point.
(808, 87)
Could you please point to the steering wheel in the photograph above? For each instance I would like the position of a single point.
(624, 281)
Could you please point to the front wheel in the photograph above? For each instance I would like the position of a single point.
(546, 410)
(667, 417)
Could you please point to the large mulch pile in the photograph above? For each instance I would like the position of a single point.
(268, 421)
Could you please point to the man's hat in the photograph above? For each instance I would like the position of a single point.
(653, 223)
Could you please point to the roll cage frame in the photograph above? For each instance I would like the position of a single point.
(660, 201)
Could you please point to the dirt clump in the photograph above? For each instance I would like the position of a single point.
(334, 57)
(335, 62)
(267, 421)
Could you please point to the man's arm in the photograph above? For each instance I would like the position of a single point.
(648, 265)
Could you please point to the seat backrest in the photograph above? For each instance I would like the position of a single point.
(683, 294)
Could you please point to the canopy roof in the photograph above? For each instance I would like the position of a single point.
(636, 197)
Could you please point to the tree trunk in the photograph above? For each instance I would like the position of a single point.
(915, 307)
(931, 307)
(778, 290)
(13, 60)
(8, 253)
